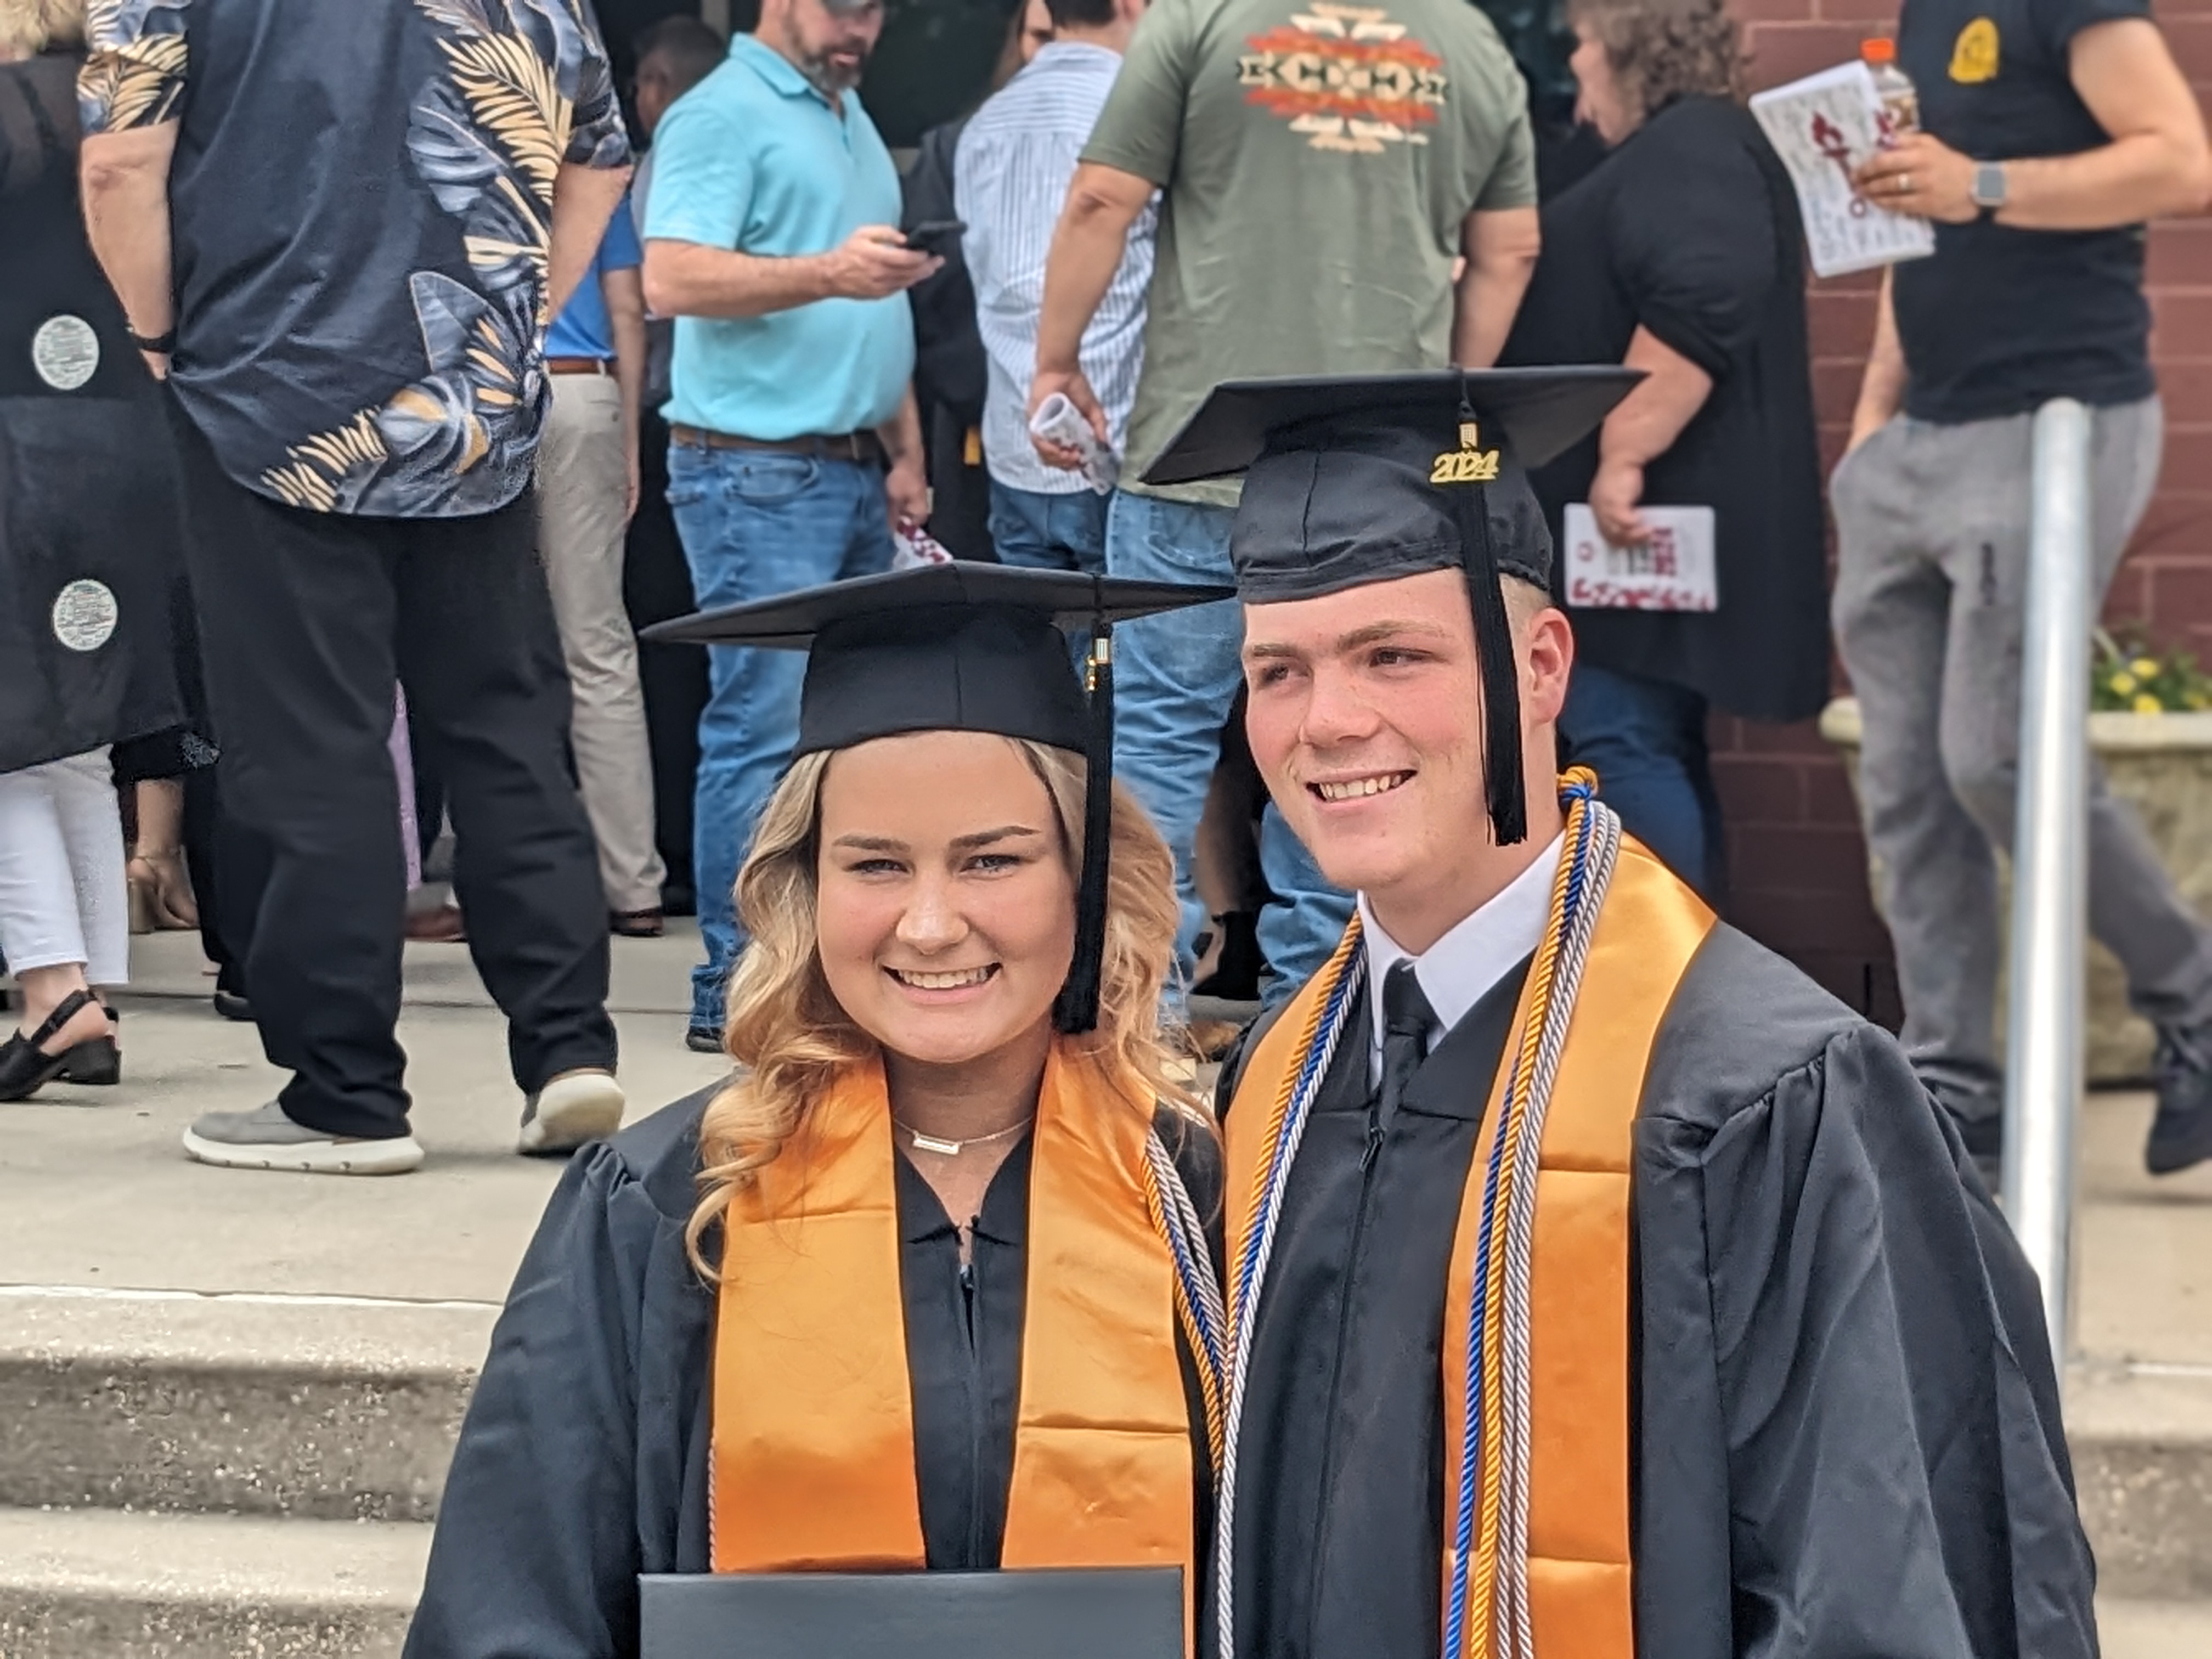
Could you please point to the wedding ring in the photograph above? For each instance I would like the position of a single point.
(1905, 184)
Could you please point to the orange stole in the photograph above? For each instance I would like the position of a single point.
(813, 1464)
(1579, 1552)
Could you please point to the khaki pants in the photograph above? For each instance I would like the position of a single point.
(582, 478)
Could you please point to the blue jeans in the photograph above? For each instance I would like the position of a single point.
(1174, 678)
(755, 525)
(1049, 532)
(1645, 739)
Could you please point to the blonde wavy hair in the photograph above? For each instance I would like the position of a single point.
(30, 27)
(1665, 49)
(785, 1028)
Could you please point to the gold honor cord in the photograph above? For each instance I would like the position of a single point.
(1534, 1378)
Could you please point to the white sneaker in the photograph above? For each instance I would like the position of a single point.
(572, 1109)
(267, 1140)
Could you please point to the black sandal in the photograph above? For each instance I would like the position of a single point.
(24, 1067)
(97, 1063)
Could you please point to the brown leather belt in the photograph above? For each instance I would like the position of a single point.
(579, 366)
(864, 447)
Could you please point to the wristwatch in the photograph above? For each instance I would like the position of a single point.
(160, 344)
(1988, 190)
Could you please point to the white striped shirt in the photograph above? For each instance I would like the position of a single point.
(1010, 179)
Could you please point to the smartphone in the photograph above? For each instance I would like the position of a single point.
(936, 236)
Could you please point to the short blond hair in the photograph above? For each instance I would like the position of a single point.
(1524, 600)
(29, 26)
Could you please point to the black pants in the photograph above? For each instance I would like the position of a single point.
(306, 621)
(229, 866)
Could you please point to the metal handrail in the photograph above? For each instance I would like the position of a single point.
(2049, 874)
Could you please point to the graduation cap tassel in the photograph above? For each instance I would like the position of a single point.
(1077, 1007)
(1493, 644)
(1501, 689)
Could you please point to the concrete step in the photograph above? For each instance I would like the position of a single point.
(2153, 1630)
(105, 1584)
(102, 1584)
(2141, 1437)
(189, 1474)
(330, 1408)
(339, 1408)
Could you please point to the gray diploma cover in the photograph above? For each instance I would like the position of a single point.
(1107, 1613)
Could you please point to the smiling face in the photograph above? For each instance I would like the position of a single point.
(945, 907)
(1365, 718)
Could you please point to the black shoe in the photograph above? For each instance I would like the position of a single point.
(2181, 1134)
(24, 1067)
(97, 1063)
(703, 1039)
(233, 1006)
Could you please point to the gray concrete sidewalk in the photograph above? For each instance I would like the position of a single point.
(94, 1190)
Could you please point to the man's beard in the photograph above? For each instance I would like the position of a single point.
(830, 79)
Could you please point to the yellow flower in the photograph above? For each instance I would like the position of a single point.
(2144, 667)
(2147, 704)
(2122, 682)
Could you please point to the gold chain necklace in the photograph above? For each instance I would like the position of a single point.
(943, 1148)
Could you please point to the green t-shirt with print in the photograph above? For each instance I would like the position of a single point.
(1318, 165)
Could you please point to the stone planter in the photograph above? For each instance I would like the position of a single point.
(2162, 764)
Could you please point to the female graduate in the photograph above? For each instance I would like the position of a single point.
(930, 1283)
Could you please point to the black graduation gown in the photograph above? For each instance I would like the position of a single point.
(583, 1459)
(1847, 1439)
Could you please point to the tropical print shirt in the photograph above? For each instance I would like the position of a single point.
(361, 203)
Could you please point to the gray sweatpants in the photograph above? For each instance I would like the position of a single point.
(1932, 531)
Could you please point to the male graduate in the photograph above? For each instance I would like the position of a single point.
(1598, 1285)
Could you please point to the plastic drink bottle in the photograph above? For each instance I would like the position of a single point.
(1900, 103)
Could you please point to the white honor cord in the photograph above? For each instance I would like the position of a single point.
(1225, 1570)
(1604, 846)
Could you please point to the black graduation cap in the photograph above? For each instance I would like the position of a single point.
(966, 648)
(1353, 479)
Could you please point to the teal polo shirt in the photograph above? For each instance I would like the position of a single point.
(754, 159)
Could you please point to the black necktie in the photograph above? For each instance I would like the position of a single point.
(1407, 1018)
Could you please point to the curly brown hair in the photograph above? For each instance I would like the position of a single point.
(1661, 50)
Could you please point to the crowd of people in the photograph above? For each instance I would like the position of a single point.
(385, 549)
(1554, 1269)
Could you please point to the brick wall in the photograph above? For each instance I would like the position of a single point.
(1798, 861)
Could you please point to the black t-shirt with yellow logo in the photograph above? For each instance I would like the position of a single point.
(1999, 319)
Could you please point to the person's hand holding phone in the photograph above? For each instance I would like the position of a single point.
(875, 263)
(939, 236)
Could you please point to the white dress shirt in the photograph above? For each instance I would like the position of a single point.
(1010, 179)
(1460, 968)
